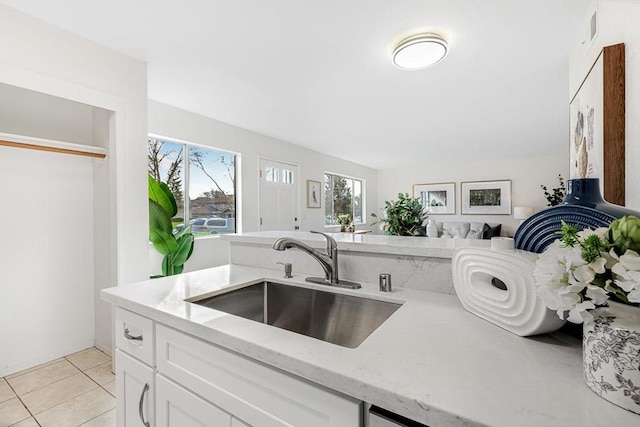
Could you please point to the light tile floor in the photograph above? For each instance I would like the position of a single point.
(77, 390)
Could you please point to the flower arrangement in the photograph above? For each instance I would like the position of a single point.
(584, 269)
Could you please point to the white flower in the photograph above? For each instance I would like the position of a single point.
(627, 271)
(631, 260)
(634, 296)
(568, 284)
(598, 295)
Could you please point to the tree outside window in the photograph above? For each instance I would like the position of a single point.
(343, 196)
(206, 176)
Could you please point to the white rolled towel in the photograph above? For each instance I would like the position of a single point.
(518, 309)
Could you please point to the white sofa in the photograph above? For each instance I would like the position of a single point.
(468, 230)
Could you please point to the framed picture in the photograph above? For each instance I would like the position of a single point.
(314, 194)
(597, 122)
(486, 197)
(437, 199)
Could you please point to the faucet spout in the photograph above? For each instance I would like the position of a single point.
(328, 260)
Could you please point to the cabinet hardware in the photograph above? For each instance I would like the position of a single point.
(128, 336)
(141, 403)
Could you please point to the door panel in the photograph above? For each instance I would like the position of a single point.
(279, 195)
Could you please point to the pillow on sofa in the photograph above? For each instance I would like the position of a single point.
(490, 231)
(476, 230)
(456, 229)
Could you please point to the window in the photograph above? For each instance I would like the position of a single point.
(208, 178)
(342, 196)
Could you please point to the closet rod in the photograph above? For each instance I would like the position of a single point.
(51, 149)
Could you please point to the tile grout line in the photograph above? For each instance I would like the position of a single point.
(22, 403)
(79, 370)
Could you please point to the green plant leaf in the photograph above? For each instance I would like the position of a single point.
(162, 198)
(174, 205)
(167, 267)
(185, 247)
(164, 242)
(158, 218)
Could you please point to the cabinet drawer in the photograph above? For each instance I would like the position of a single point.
(135, 335)
(254, 393)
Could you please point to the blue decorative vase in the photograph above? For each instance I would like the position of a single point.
(583, 205)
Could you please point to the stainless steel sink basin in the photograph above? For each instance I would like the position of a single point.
(336, 318)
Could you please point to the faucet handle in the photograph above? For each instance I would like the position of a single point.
(331, 243)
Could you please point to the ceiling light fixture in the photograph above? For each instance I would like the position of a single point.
(420, 51)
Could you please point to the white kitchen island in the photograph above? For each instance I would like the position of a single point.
(431, 361)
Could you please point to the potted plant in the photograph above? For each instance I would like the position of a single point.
(402, 217)
(594, 276)
(344, 220)
(176, 248)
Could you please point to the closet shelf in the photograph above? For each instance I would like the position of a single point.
(32, 143)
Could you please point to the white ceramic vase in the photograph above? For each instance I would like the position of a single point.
(611, 355)
(432, 229)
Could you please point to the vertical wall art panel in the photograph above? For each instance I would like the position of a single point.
(597, 125)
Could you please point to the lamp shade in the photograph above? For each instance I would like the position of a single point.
(522, 212)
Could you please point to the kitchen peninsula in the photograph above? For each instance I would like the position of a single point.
(431, 361)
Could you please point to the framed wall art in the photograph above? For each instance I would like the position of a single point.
(486, 197)
(314, 194)
(437, 199)
(597, 122)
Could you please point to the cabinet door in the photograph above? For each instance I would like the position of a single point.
(134, 392)
(258, 395)
(177, 407)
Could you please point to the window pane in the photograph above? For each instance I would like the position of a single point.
(287, 176)
(271, 174)
(211, 190)
(165, 161)
(328, 200)
(342, 196)
(357, 201)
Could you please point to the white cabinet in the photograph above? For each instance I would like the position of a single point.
(177, 407)
(135, 370)
(255, 394)
(167, 378)
(134, 392)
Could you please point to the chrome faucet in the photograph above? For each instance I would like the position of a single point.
(328, 260)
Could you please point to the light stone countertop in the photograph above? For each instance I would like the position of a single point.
(367, 243)
(430, 361)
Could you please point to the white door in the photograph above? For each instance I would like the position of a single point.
(135, 389)
(279, 195)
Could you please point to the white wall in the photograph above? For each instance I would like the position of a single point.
(619, 21)
(46, 273)
(526, 174)
(175, 123)
(45, 59)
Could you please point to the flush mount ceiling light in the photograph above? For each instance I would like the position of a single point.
(420, 51)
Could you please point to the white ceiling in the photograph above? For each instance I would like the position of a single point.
(317, 73)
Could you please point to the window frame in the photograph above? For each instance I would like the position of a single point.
(362, 195)
(187, 177)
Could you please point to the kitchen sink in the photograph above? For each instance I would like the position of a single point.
(340, 319)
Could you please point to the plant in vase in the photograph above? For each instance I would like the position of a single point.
(402, 217)
(556, 196)
(594, 276)
(344, 220)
